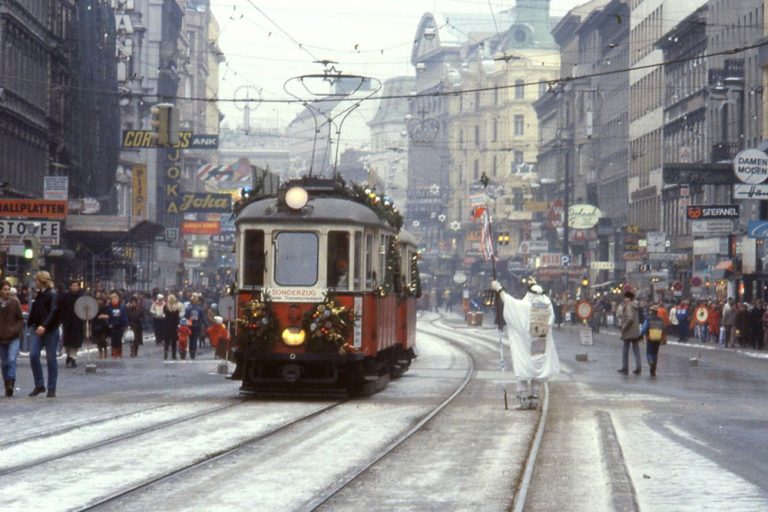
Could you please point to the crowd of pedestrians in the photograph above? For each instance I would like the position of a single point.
(49, 323)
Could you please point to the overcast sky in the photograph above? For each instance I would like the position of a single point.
(267, 42)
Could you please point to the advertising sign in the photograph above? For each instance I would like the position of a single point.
(33, 209)
(602, 265)
(55, 188)
(14, 232)
(583, 216)
(757, 229)
(711, 227)
(187, 140)
(751, 166)
(139, 190)
(200, 227)
(550, 259)
(743, 191)
(713, 211)
(533, 246)
(201, 202)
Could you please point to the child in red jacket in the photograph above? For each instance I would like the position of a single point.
(219, 337)
(183, 332)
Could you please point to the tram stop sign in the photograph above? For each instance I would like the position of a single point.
(86, 307)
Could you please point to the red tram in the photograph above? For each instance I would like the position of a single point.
(326, 289)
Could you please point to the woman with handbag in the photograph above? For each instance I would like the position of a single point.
(135, 325)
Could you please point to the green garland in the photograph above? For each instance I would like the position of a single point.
(258, 328)
(328, 325)
(414, 289)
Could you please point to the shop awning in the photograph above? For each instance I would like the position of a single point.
(725, 265)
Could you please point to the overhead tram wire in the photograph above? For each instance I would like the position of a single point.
(146, 96)
(281, 29)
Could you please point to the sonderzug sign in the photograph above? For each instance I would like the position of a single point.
(751, 166)
(713, 211)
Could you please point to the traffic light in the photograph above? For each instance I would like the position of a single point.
(173, 125)
(29, 250)
(503, 238)
(164, 120)
(585, 282)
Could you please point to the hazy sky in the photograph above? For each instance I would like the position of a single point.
(267, 42)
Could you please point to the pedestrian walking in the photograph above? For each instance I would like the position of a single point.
(135, 315)
(183, 334)
(171, 319)
(529, 332)
(630, 333)
(198, 323)
(219, 337)
(118, 323)
(44, 322)
(72, 327)
(11, 331)
(655, 337)
(158, 315)
(728, 320)
(100, 327)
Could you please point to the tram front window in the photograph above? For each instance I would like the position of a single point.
(253, 258)
(296, 256)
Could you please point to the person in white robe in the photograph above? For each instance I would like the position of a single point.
(529, 326)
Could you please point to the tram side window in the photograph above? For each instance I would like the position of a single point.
(337, 268)
(358, 259)
(253, 258)
(296, 258)
(371, 279)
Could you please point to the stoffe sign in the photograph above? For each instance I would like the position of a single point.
(16, 231)
(751, 166)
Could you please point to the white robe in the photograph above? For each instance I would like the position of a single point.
(526, 366)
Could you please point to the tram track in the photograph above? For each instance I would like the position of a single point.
(109, 441)
(209, 458)
(362, 468)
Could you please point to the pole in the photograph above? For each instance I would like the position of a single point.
(499, 312)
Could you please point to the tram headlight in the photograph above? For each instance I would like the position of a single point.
(296, 198)
(293, 336)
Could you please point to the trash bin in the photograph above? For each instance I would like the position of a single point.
(475, 318)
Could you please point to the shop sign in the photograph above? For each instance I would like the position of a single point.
(533, 246)
(583, 216)
(196, 227)
(55, 188)
(550, 259)
(602, 265)
(668, 256)
(711, 227)
(201, 202)
(33, 208)
(751, 166)
(744, 191)
(713, 211)
(13, 232)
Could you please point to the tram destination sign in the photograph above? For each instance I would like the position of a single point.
(713, 211)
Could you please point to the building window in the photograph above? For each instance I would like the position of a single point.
(519, 125)
(495, 130)
(476, 170)
(519, 158)
(519, 89)
(477, 135)
(477, 101)
(495, 162)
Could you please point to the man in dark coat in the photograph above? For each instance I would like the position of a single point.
(73, 328)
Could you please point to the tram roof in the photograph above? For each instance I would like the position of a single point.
(319, 209)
